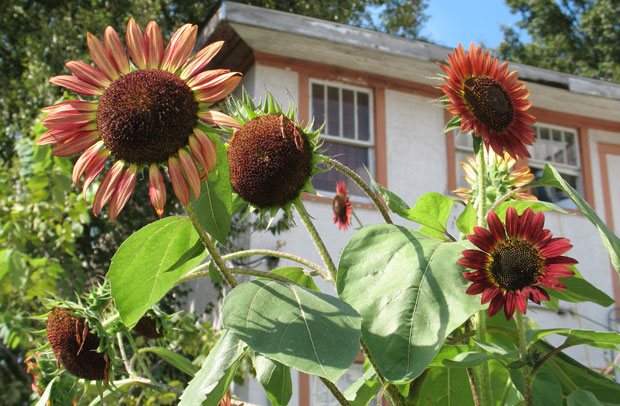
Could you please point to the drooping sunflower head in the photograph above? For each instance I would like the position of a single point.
(342, 207)
(271, 157)
(489, 100)
(516, 261)
(501, 178)
(143, 113)
(75, 346)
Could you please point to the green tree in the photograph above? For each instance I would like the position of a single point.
(574, 36)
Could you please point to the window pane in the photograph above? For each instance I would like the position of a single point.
(348, 114)
(558, 147)
(571, 148)
(363, 117)
(553, 195)
(540, 147)
(318, 104)
(355, 157)
(333, 111)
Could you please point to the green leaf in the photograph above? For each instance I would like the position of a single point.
(551, 177)
(275, 378)
(394, 202)
(212, 380)
(176, 360)
(310, 331)
(149, 263)
(546, 388)
(214, 207)
(297, 274)
(443, 386)
(601, 339)
(473, 358)
(580, 290)
(432, 210)
(466, 221)
(521, 206)
(45, 397)
(582, 397)
(572, 376)
(410, 293)
(364, 389)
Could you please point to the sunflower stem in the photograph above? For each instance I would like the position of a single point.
(210, 246)
(316, 238)
(482, 371)
(335, 391)
(360, 182)
(527, 375)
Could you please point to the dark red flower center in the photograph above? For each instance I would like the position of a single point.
(516, 264)
(146, 116)
(339, 205)
(489, 101)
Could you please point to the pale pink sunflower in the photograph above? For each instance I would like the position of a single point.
(143, 113)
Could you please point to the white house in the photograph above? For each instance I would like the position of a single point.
(375, 92)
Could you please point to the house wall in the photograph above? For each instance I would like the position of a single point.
(414, 157)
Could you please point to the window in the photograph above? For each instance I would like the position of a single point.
(347, 112)
(559, 147)
(556, 145)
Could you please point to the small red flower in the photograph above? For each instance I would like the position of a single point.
(515, 262)
(342, 207)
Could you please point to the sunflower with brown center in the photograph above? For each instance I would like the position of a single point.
(147, 113)
(271, 157)
(489, 100)
(515, 262)
(75, 346)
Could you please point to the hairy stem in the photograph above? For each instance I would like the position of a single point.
(336, 392)
(210, 246)
(316, 238)
(263, 274)
(392, 391)
(482, 371)
(472, 385)
(527, 374)
(202, 270)
(360, 182)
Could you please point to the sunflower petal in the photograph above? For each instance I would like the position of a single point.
(188, 167)
(179, 184)
(214, 117)
(179, 48)
(124, 190)
(136, 44)
(115, 48)
(76, 85)
(108, 186)
(101, 57)
(157, 189)
(201, 59)
(154, 45)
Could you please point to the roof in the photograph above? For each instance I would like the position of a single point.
(350, 45)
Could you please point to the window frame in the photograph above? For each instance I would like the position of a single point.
(370, 144)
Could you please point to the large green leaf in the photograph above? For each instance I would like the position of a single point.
(212, 380)
(275, 378)
(473, 358)
(297, 274)
(466, 221)
(580, 290)
(443, 386)
(601, 339)
(176, 360)
(546, 388)
(521, 206)
(214, 207)
(149, 263)
(582, 397)
(572, 376)
(410, 292)
(551, 177)
(310, 331)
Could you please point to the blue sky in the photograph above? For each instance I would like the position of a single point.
(465, 21)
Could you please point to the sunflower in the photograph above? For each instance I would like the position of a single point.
(515, 262)
(489, 100)
(342, 207)
(150, 113)
(501, 177)
(271, 158)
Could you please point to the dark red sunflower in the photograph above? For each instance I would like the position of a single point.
(490, 100)
(342, 207)
(515, 262)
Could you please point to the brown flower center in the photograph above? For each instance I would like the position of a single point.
(270, 161)
(146, 116)
(516, 264)
(339, 205)
(489, 101)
